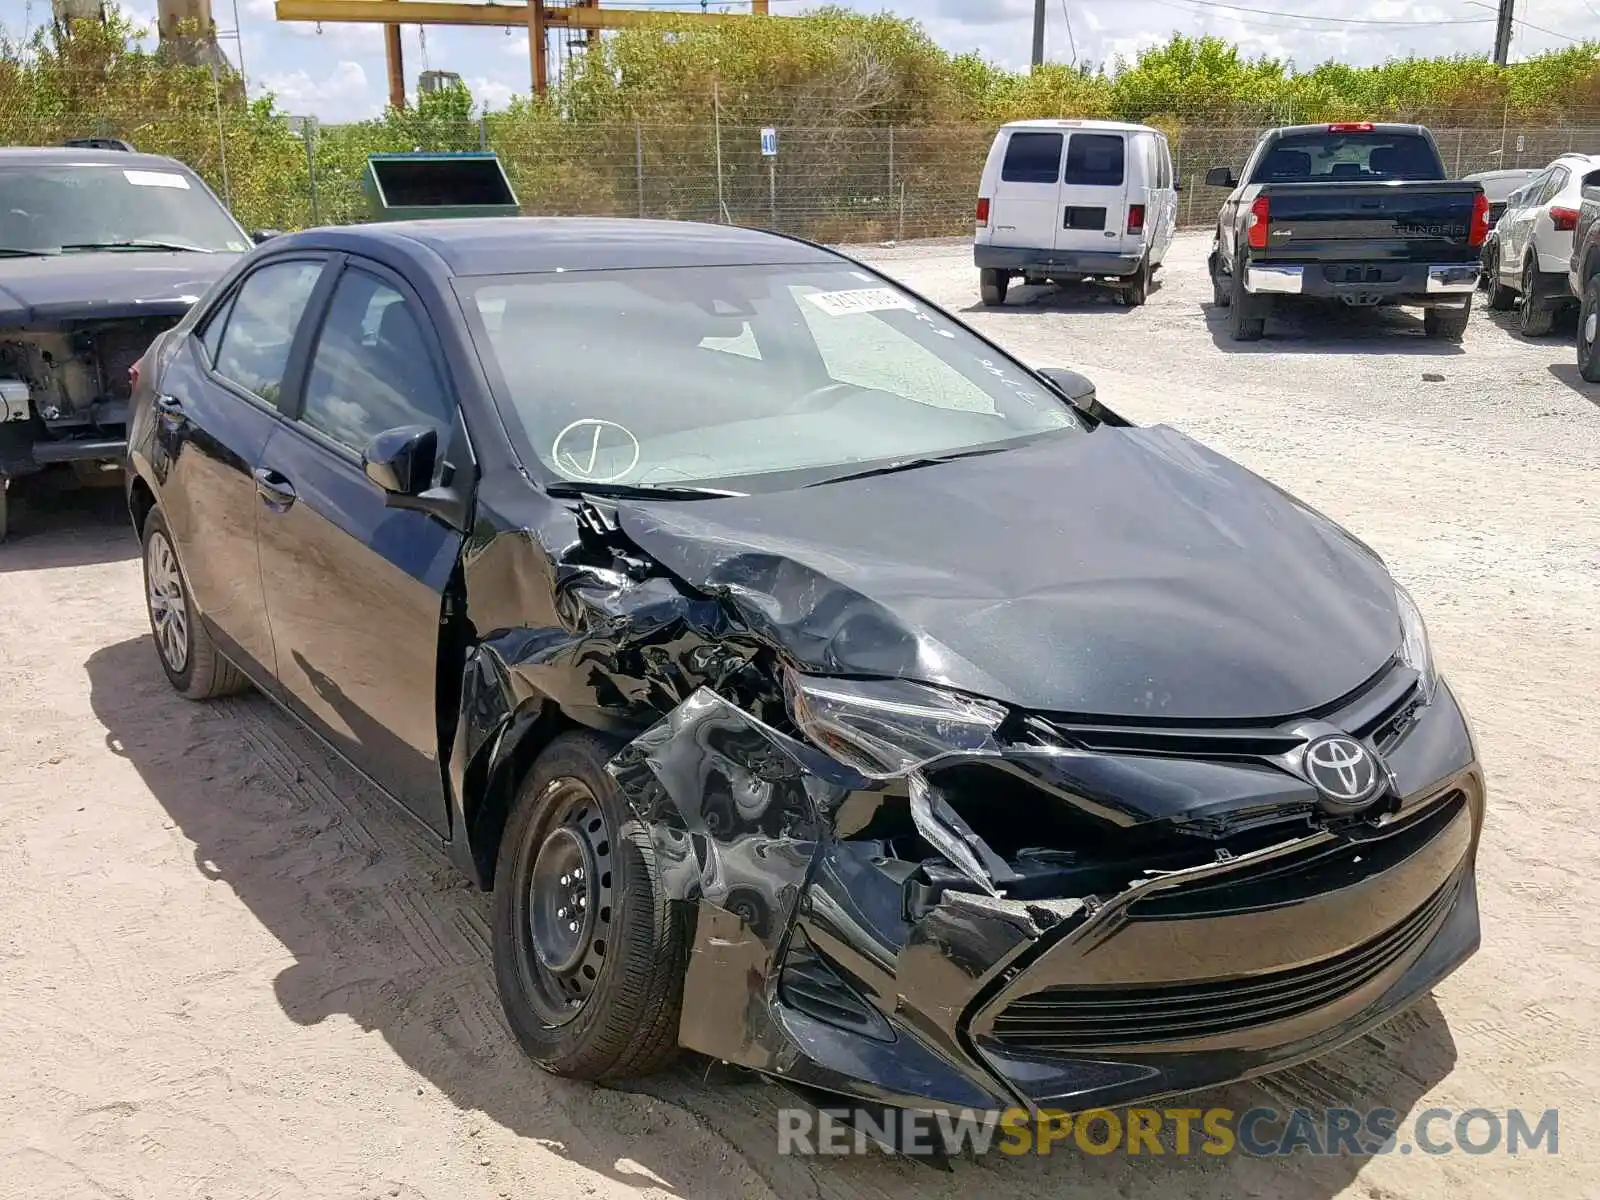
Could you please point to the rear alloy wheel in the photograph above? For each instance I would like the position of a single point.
(1501, 298)
(1244, 325)
(1589, 332)
(992, 284)
(588, 954)
(1447, 324)
(1534, 316)
(193, 664)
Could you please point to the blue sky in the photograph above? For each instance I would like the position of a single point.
(338, 74)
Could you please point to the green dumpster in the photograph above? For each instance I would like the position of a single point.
(409, 187)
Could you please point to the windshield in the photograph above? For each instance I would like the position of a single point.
(1318, 156)
(755, 378)
(57, 208)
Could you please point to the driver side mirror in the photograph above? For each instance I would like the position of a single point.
(261, 235)
(401, 461)
(1079, 392)
(1222, 177)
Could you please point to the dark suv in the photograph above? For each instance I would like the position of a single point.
(100, 250)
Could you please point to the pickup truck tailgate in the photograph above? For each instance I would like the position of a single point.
(1405, 221)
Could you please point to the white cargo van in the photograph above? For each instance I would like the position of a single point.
(1075, 201)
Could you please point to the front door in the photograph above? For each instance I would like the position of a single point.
(355, 589)
(1025, 208)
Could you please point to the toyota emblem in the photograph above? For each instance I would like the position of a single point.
(1344, 771)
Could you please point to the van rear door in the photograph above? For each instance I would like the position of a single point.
(1024, 209)
(1094, 192)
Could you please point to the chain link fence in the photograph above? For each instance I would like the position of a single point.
(840, 184)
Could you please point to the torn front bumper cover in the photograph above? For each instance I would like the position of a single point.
(822, 957)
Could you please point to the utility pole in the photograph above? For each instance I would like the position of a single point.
(394, 59)
(1038, 31)
(1502, 33)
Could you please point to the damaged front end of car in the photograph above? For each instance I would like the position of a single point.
(913, 896)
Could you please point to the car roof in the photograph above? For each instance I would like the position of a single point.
(1506, 173)
(1087, 123)
(527, 245)
(67, 156)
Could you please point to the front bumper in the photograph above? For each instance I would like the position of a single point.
(1419, 282)
(816, 963)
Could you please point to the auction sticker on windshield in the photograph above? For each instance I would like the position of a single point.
(859, 300)
(164, 179)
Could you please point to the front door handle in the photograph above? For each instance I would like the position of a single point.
(275, 490)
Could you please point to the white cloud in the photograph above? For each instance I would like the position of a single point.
(343, 95)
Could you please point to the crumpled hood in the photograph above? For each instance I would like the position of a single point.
(112, 285)
(1121, 573)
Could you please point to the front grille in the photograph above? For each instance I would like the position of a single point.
(1376, 711)
(1097, 1018)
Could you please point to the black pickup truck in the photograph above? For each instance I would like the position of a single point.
(1354, 212)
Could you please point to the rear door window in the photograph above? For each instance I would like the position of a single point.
(1032, 158)
(261, 324)
(1353, 155)
(1096, 159)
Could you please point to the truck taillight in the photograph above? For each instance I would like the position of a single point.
(1135, 218)
(1260, 214)
(983, 210)
(1350, 127)
(1564, 219)
(1479, 230)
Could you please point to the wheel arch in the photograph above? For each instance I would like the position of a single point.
(141, 502)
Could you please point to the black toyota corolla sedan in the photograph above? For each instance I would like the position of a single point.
(816, 686)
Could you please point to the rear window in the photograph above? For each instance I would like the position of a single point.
(1032, 158)
(1096, 159)
(1318, 156)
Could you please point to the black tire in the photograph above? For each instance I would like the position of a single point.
(193, 664)
(1501, 298)
(620, 1020)
(992, 285)
(1244, 323)
(1534, 316)
(1588, 338)
(1137, 290)
(1447, 324)
(1221, 288)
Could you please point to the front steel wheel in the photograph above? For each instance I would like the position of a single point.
(589, 954)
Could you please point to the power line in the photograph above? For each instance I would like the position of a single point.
(1274, 12)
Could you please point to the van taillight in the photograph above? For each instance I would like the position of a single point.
(1135, 218)
(1565, 219)
(1478, 232)
(1260, 213)
(983, 210)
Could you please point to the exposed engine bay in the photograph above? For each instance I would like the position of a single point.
(76, 375)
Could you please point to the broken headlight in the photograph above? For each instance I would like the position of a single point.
(888, 728)
(1415, 650)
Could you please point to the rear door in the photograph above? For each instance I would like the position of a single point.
(1518, 224)
(1094, 191)
(1024, 210)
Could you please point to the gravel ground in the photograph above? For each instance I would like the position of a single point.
(228, 970)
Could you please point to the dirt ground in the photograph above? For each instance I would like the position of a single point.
(227, 969)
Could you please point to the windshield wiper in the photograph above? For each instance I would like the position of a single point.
(910, 464)
(136, 244)
(629, 491)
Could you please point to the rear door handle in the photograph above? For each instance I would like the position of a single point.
(275, 490)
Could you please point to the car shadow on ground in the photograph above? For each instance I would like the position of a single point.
(386, 933)
(1567, 373)
(1311, 328)
(1031, 299)
(55, 524)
